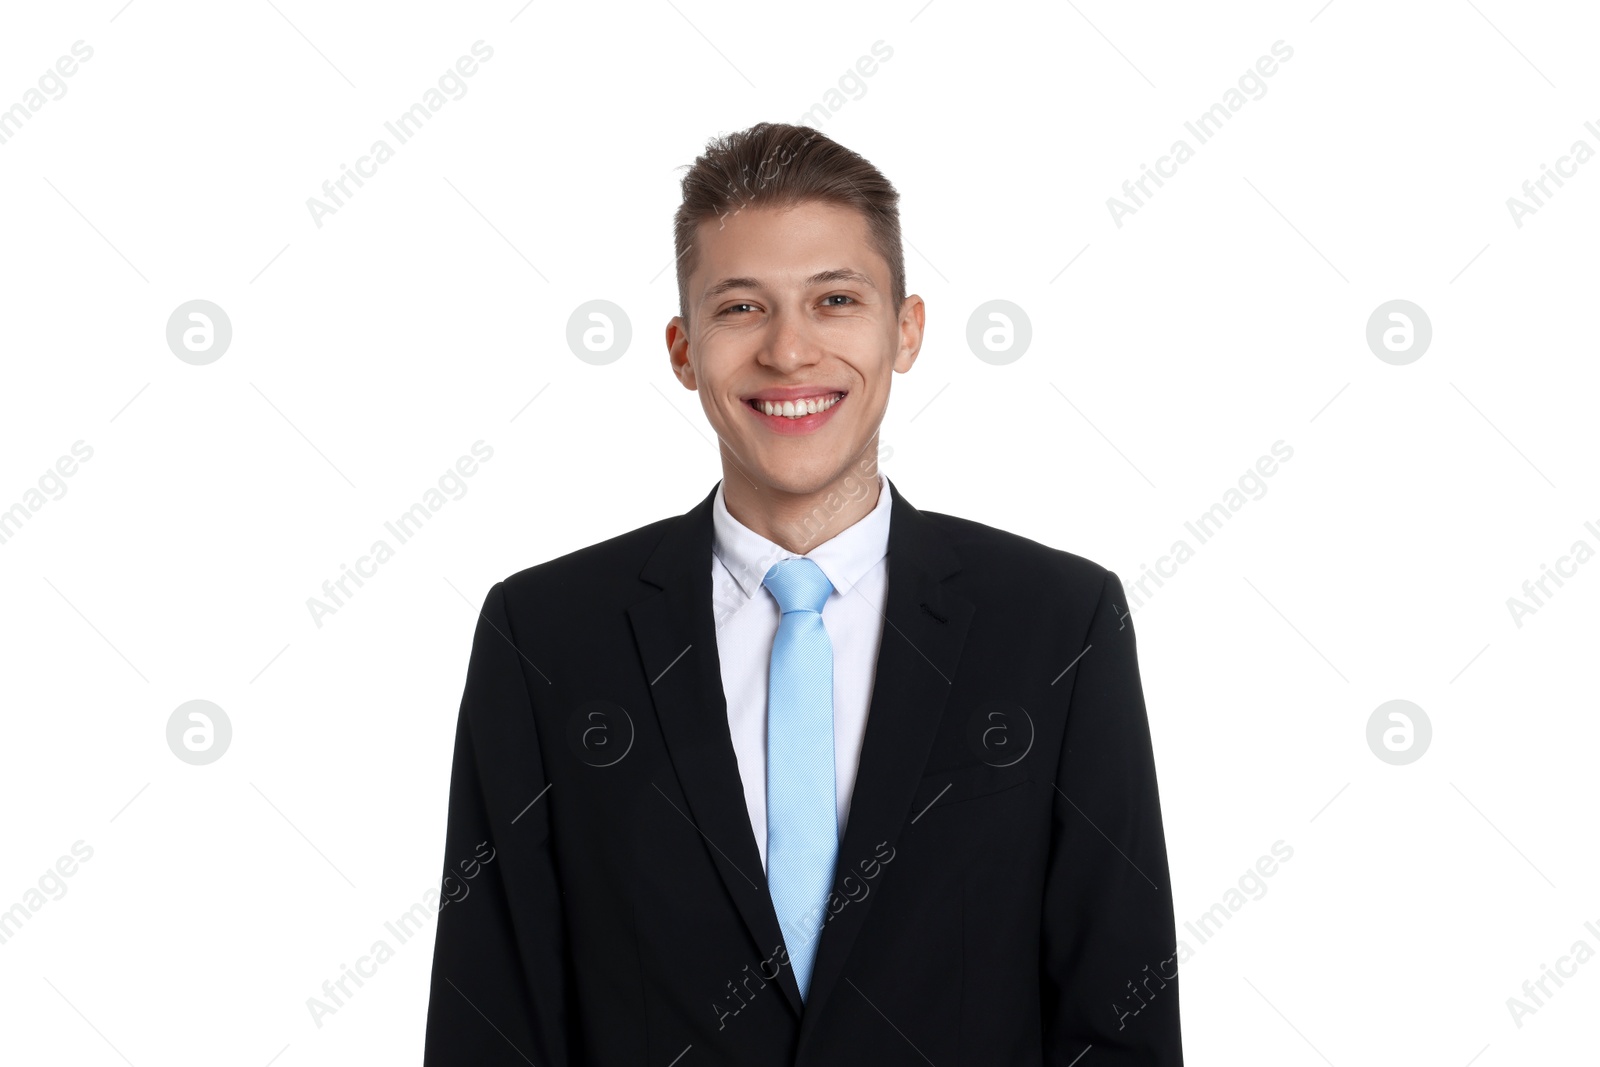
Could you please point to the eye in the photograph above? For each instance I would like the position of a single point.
(837, 296)
(733, 307)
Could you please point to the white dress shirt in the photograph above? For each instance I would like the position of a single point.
(856, 561)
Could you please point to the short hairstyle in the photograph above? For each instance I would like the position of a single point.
(774, 164)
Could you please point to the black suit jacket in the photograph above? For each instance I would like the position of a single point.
(1002, 895)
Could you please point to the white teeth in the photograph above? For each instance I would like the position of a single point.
(796, 409)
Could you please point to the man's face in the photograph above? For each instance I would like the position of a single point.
(793, 305)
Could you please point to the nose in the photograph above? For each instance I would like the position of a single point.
(789, 343)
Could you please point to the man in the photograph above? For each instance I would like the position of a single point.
(804, 775)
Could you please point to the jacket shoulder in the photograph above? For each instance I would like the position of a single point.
(616, 558)
(994, 555)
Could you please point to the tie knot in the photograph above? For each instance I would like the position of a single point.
(798, 584)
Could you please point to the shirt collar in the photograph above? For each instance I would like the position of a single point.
(845, 558)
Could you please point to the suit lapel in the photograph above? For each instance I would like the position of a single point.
(923, 632)
(677, 640)
(925, 626)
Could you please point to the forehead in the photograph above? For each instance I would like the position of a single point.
(783, 245)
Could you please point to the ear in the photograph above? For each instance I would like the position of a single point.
(912, 321)
(678, 352)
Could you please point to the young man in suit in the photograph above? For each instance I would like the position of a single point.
(804, 775)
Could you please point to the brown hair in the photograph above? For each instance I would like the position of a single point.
(773, 164)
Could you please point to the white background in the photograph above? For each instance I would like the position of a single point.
(369, 353)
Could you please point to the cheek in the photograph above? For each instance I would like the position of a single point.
(710, 373)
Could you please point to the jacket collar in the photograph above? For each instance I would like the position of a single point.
(844, 555)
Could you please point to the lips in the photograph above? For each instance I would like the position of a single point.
(799, 416)
(795, 407)
(795, 392)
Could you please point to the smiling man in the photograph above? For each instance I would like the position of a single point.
(804, 775)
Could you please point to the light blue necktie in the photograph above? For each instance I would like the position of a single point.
(802, 811)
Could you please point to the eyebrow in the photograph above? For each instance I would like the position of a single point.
(838, 274)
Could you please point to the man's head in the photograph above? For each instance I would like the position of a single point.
(791, 284)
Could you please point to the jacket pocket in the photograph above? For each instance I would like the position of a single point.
(954, 785)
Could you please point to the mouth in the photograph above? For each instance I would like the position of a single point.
(795, 408)
(795, 415)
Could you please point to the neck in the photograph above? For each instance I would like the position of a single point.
(800, 522)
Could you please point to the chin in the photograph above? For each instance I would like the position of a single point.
(800, 479)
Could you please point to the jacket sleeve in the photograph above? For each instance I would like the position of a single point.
(500, 990)
(1108, 958)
